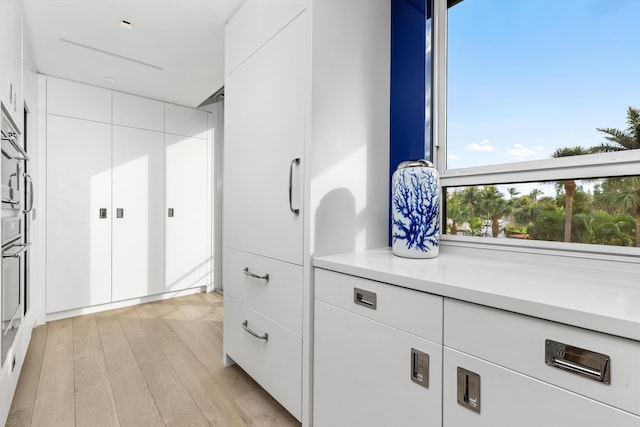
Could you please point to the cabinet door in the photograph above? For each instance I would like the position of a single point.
(78, 239)
(188, 229)
(138, 213)
(264, 134)
(508, 399)
(6, 52)
(362, 373)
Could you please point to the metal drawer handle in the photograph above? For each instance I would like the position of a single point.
(12, 253)
(254, 275)
(245, 326)
(295, 161)
(583, 362)
(365, 298)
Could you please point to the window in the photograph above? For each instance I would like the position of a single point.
(536, 122)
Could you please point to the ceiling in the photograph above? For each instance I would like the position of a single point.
(174, 51)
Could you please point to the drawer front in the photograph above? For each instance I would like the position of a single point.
(275, 363)
(278, 297)
(415, 312)
(507, 398)
(363, 373)
(518, 342)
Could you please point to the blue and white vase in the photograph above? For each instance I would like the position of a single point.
(415, 210)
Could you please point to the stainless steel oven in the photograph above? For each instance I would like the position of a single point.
(12, 156)
(13, 251)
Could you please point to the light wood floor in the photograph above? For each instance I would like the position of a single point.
(156, 364)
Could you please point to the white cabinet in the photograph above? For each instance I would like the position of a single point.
(265, 100)
(370, 373)
(11, 92)
(264, 159)
(128, 205)
(185, 121)
(138, 213)
(135, 111)
(78, 235)
(268, 352)
(508, 398)
(489, 367)
(188, 224)
(71, 99)
(305, 157)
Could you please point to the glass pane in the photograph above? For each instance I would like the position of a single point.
(598, 211)
(527, 78)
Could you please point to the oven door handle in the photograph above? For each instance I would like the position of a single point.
(28, 178)
(10, 253)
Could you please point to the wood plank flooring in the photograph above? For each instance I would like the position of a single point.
(156, 364)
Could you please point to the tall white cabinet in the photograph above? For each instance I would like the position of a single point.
(78, 238)
(188, 198)
(127, 201)
(306, 145)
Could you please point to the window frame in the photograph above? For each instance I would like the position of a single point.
(600, 165)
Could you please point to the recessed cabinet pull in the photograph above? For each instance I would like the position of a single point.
(590, 364)
(468, 392)
(245, 326)
(420, 368)
(247, 272)
(119, 213)
(102, 213)
(295, 161)
(365, 298)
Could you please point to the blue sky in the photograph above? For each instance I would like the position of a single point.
(529, 76)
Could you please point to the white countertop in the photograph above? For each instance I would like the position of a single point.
(604, 301)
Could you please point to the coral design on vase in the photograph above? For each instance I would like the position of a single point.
(415, 210)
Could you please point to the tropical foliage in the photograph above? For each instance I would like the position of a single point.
(609, 215)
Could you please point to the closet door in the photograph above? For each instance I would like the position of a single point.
(138, 213)
(188, 243)
(78, 236)
(264, 135)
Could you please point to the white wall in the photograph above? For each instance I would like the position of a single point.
(350, 125)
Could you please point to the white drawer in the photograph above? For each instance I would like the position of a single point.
(363, 373)
(509, 399)
(411, 311)
(278, 298)
(518, 342)
(275, 363)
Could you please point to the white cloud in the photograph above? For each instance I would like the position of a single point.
(453, 157)
(520, 151)
(483, 146)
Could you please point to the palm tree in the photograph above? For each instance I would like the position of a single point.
(535, 193)
(569, 186)
(493, 203)
(622, 195)
(626, 140)
(513, 192)
(620, 140)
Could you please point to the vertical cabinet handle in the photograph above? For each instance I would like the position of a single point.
(295, 161)
(469, 389)
(420, 368)
(103, 213)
